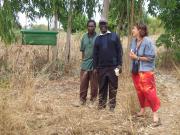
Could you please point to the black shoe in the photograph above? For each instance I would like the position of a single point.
(79, 103)
(157, 123)
(101, 107)
(111, 109)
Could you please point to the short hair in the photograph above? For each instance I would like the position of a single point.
(89, 21)
(142, 28)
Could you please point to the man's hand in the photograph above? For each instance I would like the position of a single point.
(120, 69)
(94, 71)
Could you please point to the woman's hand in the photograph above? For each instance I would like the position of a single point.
(133, 56)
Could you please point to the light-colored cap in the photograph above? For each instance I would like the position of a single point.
(103, 19)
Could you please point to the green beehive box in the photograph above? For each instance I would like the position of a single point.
(37, 37)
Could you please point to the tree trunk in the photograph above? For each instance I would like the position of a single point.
(48, 45)
(118, 28)
(130, 12)
(105, 8)
(120, 23)
(68, 36)
(130, 22)
(54, 49)
(140, 2)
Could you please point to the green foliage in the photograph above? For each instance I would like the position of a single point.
(176, 55)
(169, 13)
(6, 23)
(90, 7)
(9, 18)
(40, 27)
(118, 15)
(164, 39)
(43, 8)
(154, 25)
(170, 42)
(79, 9)
(79, 23)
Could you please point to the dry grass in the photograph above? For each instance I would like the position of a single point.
(49, 110)
(32, 104)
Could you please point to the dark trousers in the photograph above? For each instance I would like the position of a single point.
(85, 78)
(108, 82)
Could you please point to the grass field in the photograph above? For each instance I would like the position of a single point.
(36, 101)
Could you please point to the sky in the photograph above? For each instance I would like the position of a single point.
(26, 22)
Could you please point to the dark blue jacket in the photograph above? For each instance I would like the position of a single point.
(107, 51)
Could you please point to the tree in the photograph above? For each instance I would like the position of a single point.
(69, 29)
(121, 12)
(171, 10)
(64, 11)
(9, 17)
(118, 16)
(75, 7)
(90, 7)
(54, 49)
(105, 8)
(8, 21)
(140, 3)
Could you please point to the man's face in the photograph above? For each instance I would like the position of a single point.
(91, 27)
(103, 27)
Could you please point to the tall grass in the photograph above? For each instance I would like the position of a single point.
(35, 105)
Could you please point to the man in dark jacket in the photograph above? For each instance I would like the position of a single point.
(107, 56)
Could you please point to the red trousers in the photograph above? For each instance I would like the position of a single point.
(144, 83)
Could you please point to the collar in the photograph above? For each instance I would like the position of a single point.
(94, 34)
(101, 34)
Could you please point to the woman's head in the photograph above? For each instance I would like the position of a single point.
(139, 30)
